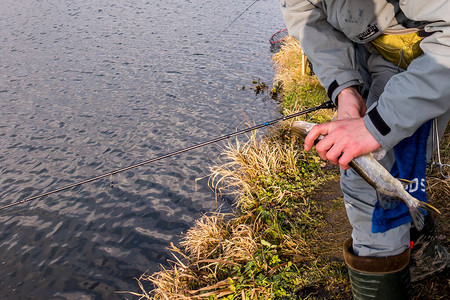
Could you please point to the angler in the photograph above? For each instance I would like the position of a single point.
(386, 65)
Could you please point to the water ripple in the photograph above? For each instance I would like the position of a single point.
(89, 87)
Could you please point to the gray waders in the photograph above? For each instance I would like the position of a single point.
(390, 277)
(386, 278)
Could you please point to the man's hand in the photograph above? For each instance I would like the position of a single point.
(343, 141)
(347, 137)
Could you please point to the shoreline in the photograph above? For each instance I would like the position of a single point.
(285, 239)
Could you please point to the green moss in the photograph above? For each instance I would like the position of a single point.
(309, 94)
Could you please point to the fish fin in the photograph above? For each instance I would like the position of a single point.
(428, 207)
(418, 215)
(388, 202)
(405, 182)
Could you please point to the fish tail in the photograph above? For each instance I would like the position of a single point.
(418, 215)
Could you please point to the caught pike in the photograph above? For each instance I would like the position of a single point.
(379, 178)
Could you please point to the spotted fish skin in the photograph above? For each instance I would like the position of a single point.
(387, 187)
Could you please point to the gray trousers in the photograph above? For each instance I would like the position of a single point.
(360, 199)
(359, 196)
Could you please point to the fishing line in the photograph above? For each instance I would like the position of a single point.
(229, 25)
(326, 105)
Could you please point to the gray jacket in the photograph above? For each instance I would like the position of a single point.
(328, 31)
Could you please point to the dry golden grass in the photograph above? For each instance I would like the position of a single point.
(255, 169)
(244, 165)
(212, 244)
(204, 238)
(438, 188)
(241, 246)
(289, 66)
(299, 91)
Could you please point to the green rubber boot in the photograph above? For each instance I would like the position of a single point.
(428, 256)
(385, 278)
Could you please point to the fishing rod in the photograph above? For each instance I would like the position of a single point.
(326, 105)
(229, 25)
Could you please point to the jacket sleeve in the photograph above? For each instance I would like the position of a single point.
(422, 91)
(331, 53)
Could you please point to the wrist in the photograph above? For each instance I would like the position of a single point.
(351, 89)
(351, 104)
(349, 94)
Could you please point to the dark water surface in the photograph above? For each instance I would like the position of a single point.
(87, 87)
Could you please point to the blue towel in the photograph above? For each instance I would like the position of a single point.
(411, 162)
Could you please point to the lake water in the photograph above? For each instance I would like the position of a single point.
(87, 87)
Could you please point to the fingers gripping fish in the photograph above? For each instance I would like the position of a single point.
(386, 186)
